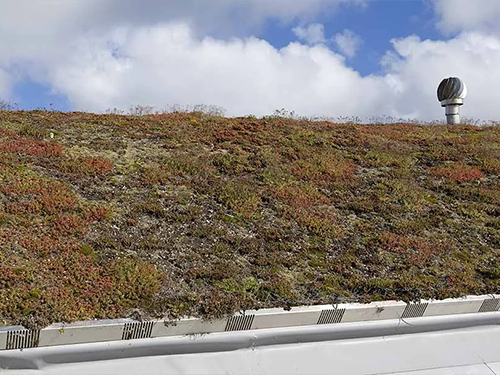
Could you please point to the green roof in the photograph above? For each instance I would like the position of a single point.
(105, 216)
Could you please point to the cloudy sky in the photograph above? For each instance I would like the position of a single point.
(332, 58)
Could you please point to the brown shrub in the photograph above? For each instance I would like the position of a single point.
(457, 172)
(87, 166)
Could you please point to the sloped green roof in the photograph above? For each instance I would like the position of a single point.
(103, 216)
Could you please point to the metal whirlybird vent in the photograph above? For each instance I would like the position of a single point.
(239, 323)
(451, 93)
(451, 88)
(23, 338)
(489, 305)
(137, 330)
(331, 316)
(414, 310)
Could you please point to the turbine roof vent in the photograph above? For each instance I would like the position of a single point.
(451, 88)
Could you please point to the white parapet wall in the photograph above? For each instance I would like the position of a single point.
(17, 337)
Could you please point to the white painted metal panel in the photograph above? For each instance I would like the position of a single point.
(188, 326)
(285, 319)
(73, 334)
(3, 340)
(457, 307)
(452, 345)
(478, 369)
(127, 329)
(374, 311)
(494, 367)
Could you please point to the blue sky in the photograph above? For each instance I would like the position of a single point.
(315, 57)
(31, 95)
(376, 23)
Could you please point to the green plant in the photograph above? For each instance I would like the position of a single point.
(189, 213)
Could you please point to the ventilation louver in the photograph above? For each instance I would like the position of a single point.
(239, 323)
(23, 338)
(414, 310)
(489, 305)
(331, 316)
(137, 330)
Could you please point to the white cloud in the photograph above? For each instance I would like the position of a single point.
(170, 64)
(463, 15)
(167, 64)
(347, 42)
(312, 34)
(35, 34)
(47, 19)
(4, 86)
(120, 57)
(420, 66)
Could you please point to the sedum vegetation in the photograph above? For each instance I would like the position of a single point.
(176, 214)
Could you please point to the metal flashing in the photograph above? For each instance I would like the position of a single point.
(382, 347)
(18, 337)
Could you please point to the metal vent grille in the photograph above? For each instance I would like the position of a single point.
(489, 305)
(239, 323)
(137, 330)
(414, 310)
(23, 338)
(331, 316)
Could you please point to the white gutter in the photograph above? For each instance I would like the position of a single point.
(17, 337)
(82, 343)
